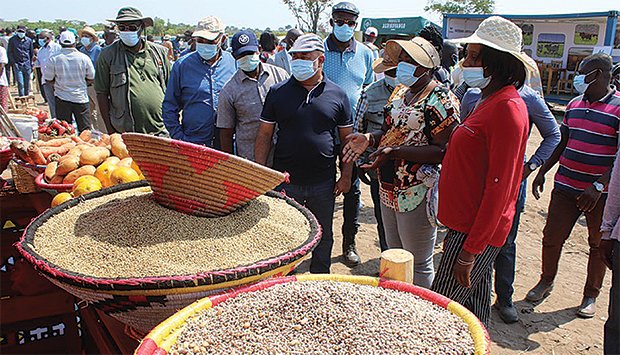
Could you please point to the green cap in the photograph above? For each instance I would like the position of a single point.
(130, 14)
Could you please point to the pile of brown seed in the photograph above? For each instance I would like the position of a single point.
(324, 317)
(127, 234)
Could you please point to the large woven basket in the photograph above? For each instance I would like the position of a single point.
(161, 339)
(198, 180)
(143, 303)
(52, 189)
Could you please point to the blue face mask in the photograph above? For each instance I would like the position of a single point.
(248, 63)
(302, 69)
(474, 77)
(405, 73)
(343, 33)
(42, 42)
(579, 82)
(207, 51)
(85, 41)
(21, 34)
(129, 38)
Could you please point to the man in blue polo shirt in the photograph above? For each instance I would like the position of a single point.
(21, 54)
(195, 84)
(348, 63)
(309, 111)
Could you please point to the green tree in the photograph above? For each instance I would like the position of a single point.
(308, 12)
(461, 6)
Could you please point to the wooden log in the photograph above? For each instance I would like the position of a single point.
(396, 264)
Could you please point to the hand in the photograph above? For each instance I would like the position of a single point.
(356, 145)
(527, 171)
(343, 185)
(538, 185)
(379, 156)
(462, 273)
(588, 199)
(605, 251)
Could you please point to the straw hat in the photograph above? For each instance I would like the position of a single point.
(501, 34)
(421, 50)
(87, 30)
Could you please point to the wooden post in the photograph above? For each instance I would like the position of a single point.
(396, 264)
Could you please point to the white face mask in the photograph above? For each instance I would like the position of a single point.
(474, 77)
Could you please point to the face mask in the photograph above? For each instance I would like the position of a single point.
(474, 77)
(579, 82)
(302, 69)
(391, 82)
(42, 42)
(85, 41)
(130, 38)
(21, 34)
(343, 33)
(249, 63)
(207, 51)
(405, 73)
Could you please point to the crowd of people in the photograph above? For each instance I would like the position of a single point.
(437, 129)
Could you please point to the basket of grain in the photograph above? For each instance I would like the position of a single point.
(140, 262)
(321, 314)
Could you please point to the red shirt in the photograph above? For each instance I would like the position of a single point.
(482, 169)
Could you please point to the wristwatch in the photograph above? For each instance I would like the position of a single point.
(598, 186)
(533, 166)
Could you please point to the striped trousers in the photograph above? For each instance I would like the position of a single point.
(477, 298)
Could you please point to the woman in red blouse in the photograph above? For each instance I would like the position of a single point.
(483, 165)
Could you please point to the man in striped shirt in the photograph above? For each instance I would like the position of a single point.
(586, 154)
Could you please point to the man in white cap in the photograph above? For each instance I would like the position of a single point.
(70, 71)
(308, 110)
(47, 48)
(370, 36)
(132, 75)
(195, 84)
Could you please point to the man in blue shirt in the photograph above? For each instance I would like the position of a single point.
(545, 122)
(309, 111)
(348, 63)
(91, 47)
(21, 54)
(195, 84)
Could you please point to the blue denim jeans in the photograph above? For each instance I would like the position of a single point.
(320, 200)
(48, 88)
(376, 201)
(505, 263)
(22, 74)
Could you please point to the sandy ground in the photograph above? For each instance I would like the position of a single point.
(548, 328)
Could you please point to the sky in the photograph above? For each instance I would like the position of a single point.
(263, 13)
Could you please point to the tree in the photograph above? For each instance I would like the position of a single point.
(461, 6)
(308, 12)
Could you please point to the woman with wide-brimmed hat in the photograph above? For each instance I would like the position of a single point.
(419, 117)
(483, 166)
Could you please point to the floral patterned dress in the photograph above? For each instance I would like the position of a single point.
(403, 183)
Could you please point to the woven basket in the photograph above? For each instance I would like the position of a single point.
(33, 169)
(198, 180)
(22, 178)
(143, 303)
(52, 189)
(161, 339)
(6, 155)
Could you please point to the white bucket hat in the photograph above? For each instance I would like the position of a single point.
(501, 34)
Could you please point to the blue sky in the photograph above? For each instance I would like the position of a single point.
(262, 13)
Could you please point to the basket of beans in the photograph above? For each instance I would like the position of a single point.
(321, 314)
(140, 261)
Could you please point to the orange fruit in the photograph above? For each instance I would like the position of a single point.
(61, 198)
(123, 175)
(135, 167)
(86, 178)
(85, 188)
(125, 162)
(103, 173)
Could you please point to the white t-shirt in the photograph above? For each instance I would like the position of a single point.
(3, 60)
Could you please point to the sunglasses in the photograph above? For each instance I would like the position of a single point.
(124, 28)
(340, 22)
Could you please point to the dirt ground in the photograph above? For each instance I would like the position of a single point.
(548, 328)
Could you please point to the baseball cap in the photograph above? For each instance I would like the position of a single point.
(67, 37)
(371, 31)
(209, 28)
(243, 42)
(21, 28)
(346, 7)
(308, 43)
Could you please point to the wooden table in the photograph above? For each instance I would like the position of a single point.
(550, 72)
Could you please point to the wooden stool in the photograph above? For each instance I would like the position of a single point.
(397, 264)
